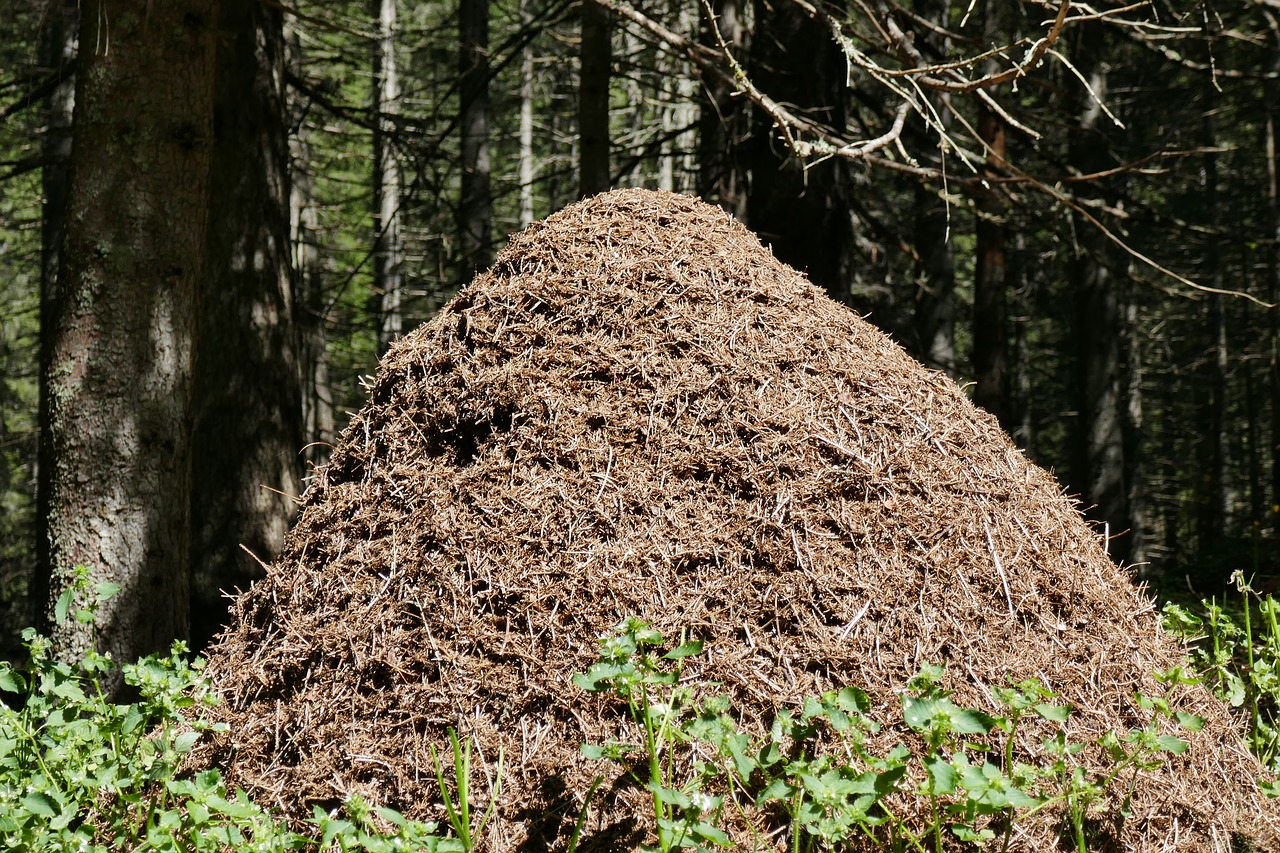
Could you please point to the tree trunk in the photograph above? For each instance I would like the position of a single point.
(725, 120)
(57, 49)
(935, 280)
(1105, 360)
(933, 332)
(801, 210)
(1211, 518)
(1272, 91)
(311, 303)
(475, 210)
(387, 249)
(120, 369)
(595, 61)
(526, 121)
(248, 401)
(990, 284)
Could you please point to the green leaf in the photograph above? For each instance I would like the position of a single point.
(41, 804)
(1190, 722)
(970, 721)
(1169, 743)
(10, 681)
(852, 700)
(185, 742)
(778, 789)
(693, 647)
(942, 775)
(63, 605)
(1054, 713)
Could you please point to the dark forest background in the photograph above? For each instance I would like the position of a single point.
(216, 214)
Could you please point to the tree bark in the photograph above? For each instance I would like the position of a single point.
(57, 49)
(935, 283)
(1213, 500)
(387, 247)
(120, 368)
(311, 305)
(475, 210)
(1272, 94)
(1106, 459)
(801, 210)
(248, 400)
(990, 285)
(725, 120)
(595, 61)
(526, 121)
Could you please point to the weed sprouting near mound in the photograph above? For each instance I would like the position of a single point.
(640, 412)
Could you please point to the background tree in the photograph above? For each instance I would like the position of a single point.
(247, 404)
(117, 444)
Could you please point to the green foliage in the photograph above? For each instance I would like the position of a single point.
(81, 773)
(1237, 648)
(815, 772)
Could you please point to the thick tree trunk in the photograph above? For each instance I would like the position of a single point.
(475, 210)
(120, 373)
(248, 401)
(725, 121)
(801, 210)
(387, 250)
(595, 61)
(57, 50)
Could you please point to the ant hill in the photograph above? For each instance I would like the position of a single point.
(639, 411)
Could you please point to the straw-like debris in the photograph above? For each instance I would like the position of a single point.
(639, 411)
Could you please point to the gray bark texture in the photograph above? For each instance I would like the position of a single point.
(475, 208)
(248, 401)
(388, 253)
(119, 379)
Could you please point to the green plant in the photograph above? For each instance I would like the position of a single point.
(630, 668)
(81, 773)
(1239, 657)
(459, 813)
(832, 789)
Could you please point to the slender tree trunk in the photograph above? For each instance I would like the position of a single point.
(57, 50)
(526, 122)
(725, 121)
(475, 211)
(1213, 500)
(387, 250)
(1272, 93)
(120, 367)
(595, 61)
(933, 333)
(678, 112)
(248, 399)
(311, 302)
(990, 285)
(935, 280)
(1105, 362)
